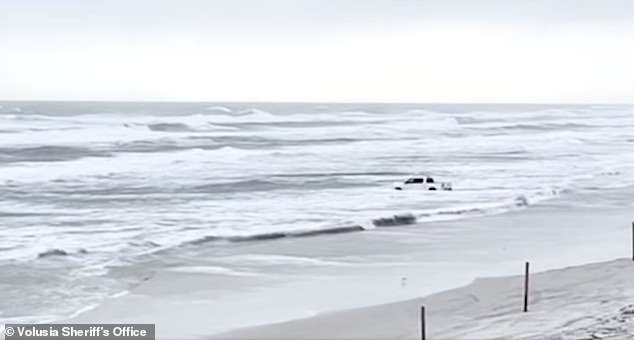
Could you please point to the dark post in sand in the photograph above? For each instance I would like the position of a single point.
(422, 322)
(526, 288)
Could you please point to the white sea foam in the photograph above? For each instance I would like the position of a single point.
(129, 184)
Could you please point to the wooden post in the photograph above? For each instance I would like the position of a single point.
(526, 287)
(422, 322)
(632, 241)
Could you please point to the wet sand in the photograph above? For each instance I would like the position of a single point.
(337, 286)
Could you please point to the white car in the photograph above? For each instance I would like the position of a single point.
(423, 183)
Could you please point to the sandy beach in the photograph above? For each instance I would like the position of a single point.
(594, 301)
(372, 284)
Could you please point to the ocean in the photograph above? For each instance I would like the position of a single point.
(95, 198)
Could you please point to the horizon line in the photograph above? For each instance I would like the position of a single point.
(304, 102)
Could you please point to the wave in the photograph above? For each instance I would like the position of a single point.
(58, 252)
(161, 145)
(48, 153)
(58, 153)
(254, 112)
(145, 244)
(253, 185)
(165, 145)
(295, 124)
(27, 116)
(494, 125)
(243, 142)
(22, 214)
(395, 220)
(194, 123)
(496, 155)
(70, 193)
(343, 174)
(278, 235)
(520, 201)
(381, 222)
(170, 127)
(52, 252)
(546, 126)
(238, 186)
(218, 109)
(218, 142)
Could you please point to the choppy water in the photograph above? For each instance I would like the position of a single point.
(88, 186)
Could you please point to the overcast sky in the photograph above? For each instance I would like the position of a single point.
(318, 50)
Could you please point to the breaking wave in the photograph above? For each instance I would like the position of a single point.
(398, 220)
(59, 252)
(278, 235)
(60, 153)
(52, 252)
(218, 109)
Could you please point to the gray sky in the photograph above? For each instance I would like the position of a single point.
(318, 50)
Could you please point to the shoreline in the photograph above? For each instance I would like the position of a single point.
(284, 280)
(579, 302)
